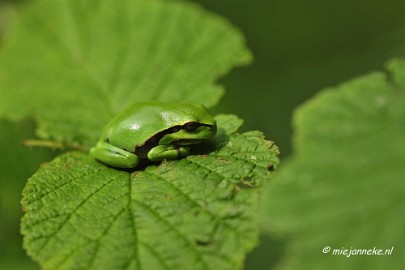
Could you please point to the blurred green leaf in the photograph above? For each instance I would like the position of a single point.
(17, 163)
(75, 64)
(344, 187)
(198, 212)
(228, 124)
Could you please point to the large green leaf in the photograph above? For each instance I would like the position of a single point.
(195, 213)
(344, 187)
(74, 64)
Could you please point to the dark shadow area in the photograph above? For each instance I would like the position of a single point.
(267, 254)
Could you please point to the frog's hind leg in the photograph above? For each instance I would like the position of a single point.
(162, 152)
(114, 156)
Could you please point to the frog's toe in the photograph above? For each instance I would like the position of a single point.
(115, 157)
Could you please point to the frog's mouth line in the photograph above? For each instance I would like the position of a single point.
(188, 141)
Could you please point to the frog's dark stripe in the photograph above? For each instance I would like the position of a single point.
(142, 150)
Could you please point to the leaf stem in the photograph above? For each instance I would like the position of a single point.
(51, 144)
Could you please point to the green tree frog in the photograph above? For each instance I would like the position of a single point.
(153, 131)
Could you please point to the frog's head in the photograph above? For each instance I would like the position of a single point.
(194, 126)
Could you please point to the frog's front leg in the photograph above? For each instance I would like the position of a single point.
(114, 156)
(162, 152)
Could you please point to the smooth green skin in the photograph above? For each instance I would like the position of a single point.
(157, 128)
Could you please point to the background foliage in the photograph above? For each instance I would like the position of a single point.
(343, 186)
(299, 48)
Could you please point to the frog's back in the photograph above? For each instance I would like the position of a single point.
(134, 126)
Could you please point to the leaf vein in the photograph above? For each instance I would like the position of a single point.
(156, 254)
(86, 173)
(192, 201)
(69, 216)
(158, 216)
(134, 229)
(105, 232)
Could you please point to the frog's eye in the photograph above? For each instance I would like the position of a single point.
(190, 127)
